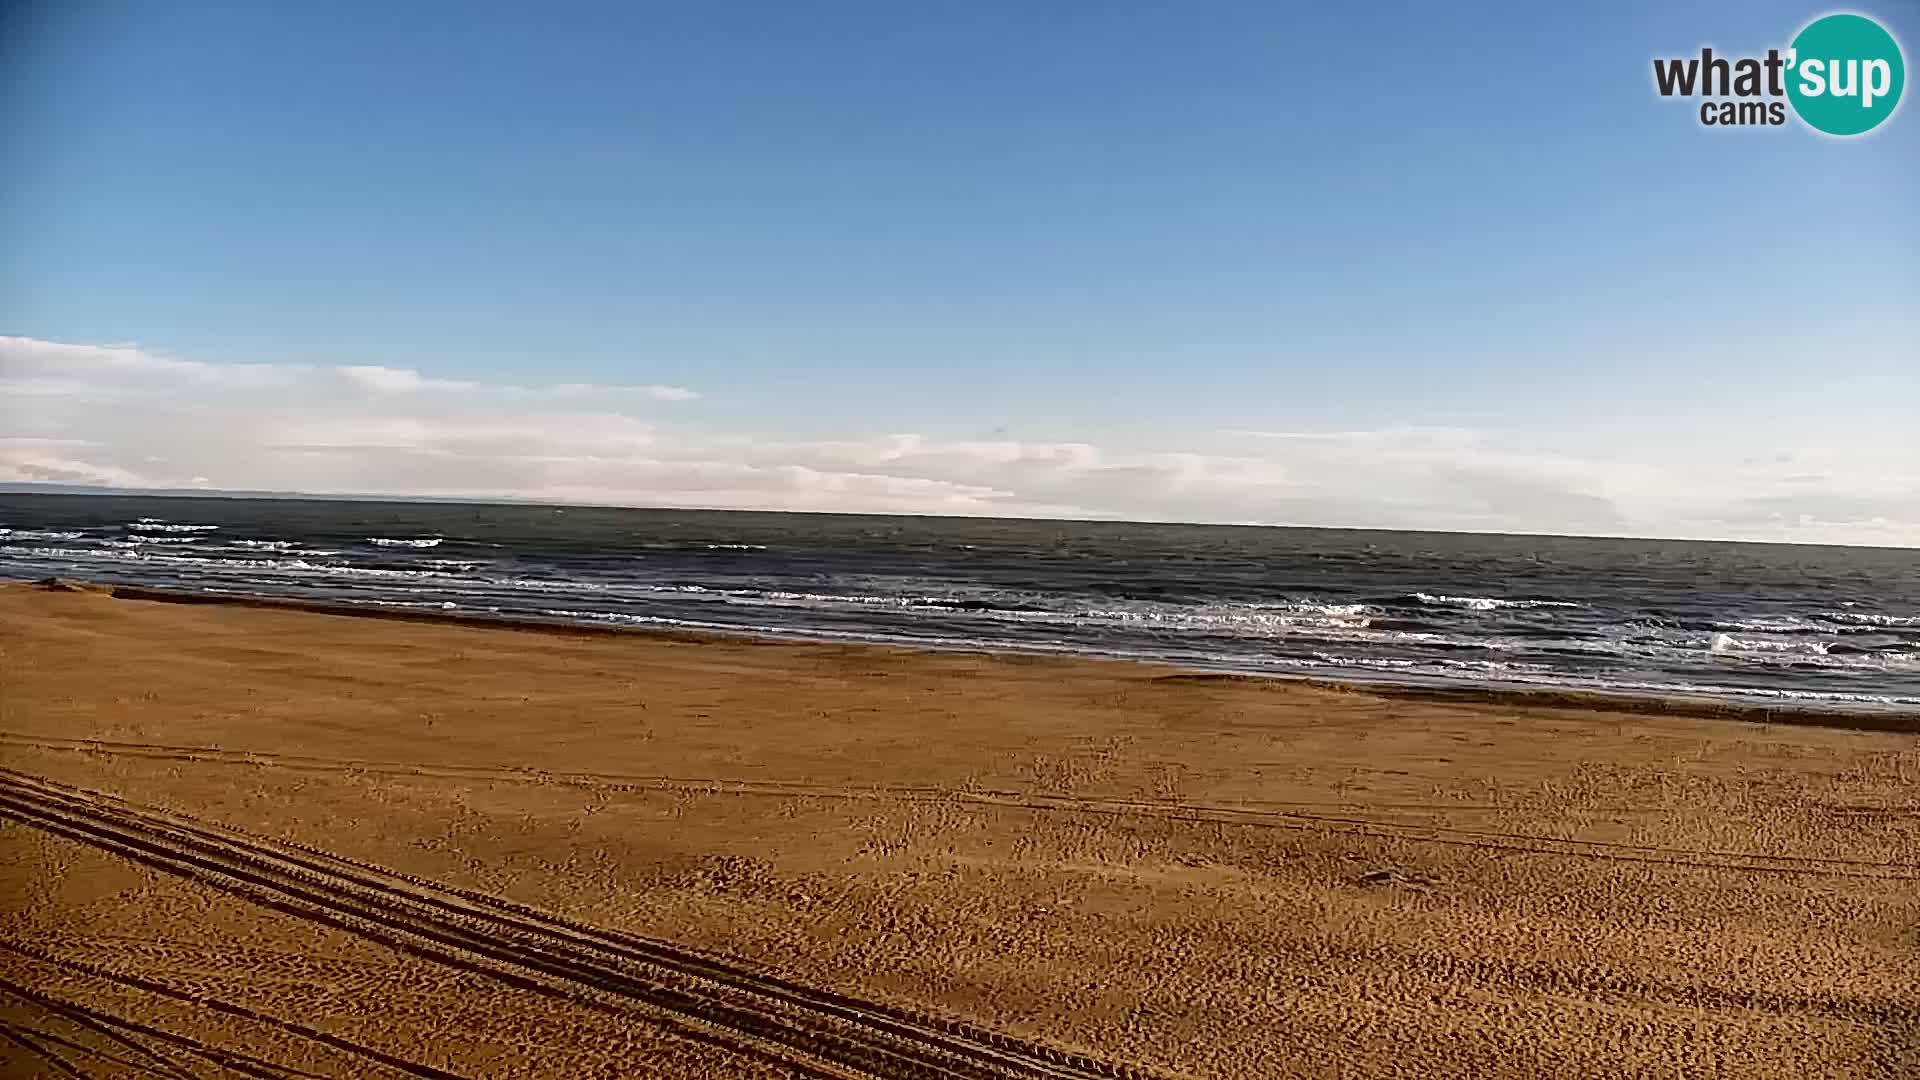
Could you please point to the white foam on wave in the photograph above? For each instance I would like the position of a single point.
(1776, 624)
(287, 546)
(390, 573)
(620, 617)
(1263, 619)
(1345, 622)
(1438, 670)
(159, 526)
(1868, 618)
(1308, 607)
(50, 552)
(39, 534)
(166, 558)
(1810, 653)
(1451, 671)
(948, 605)
(526, 584)
(1487, 603)
(413, 542)
(1724, 643)
(1486, 668)
(1238, 620)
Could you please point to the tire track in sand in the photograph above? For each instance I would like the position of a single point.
(811, 1031)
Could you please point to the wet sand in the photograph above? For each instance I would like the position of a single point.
(362, 847)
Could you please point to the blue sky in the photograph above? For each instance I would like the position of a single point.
(1143, 228)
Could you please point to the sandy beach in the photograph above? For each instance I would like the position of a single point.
(288, 842)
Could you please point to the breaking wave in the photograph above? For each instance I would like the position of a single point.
(1277, 612)
(156, 525)
(1724, 644)
(1867, 618)
(1487, 603)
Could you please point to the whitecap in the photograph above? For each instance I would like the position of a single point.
(1487, 603)
(156, 525)
(1782, 624)
(1725, 644)
(1868, 618)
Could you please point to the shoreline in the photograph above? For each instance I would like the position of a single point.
(1194, 874)
(1626, 703)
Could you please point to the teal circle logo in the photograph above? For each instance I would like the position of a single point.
(1845, 74)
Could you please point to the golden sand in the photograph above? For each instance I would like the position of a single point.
(368, 847)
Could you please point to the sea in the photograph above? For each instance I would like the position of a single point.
(1795, 625)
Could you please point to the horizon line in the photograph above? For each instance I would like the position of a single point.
(29, 487)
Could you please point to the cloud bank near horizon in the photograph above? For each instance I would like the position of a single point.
(124, 416)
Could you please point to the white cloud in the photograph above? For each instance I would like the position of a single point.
(29, 367)
(382, 380)
(60, 461)
(121, 416)
(559, 435)
(590, 390)
(28, 356)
